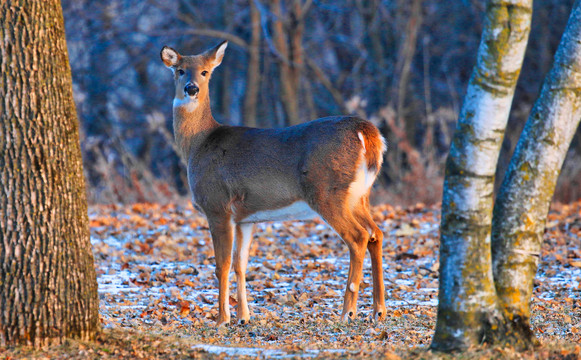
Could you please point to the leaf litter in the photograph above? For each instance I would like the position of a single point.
(155, 269)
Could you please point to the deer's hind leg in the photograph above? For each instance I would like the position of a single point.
(243, 240)
(375, 246)
(341, 219)
(222, 231)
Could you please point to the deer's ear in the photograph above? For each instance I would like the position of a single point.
(170, 57)
(215, 55)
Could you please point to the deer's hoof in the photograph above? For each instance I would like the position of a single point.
(348, 317)
(222, 323)
(379, 316)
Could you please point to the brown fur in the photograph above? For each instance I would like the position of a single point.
(374, 145)
(234, 172)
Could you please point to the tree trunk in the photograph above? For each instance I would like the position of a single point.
(291, 63)
(296, 31)
(407, 55)
(467, 299)
(95, 110)
(48, 287)
(526, 192)
(370, 12)
(253, 71)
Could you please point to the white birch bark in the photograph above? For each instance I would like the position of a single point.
(525, 195)
(467, 298)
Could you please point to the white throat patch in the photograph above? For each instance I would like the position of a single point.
(187, 102)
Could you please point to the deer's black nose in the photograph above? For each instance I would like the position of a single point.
(191, 89)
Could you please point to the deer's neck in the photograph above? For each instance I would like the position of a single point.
(192, 125)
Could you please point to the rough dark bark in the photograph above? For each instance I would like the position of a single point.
(525, 195)
(48, 288)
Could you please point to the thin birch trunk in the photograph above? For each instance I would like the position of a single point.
(467, 308)
(525, 195)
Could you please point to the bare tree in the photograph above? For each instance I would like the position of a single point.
(253, 70)
(486, 281)
(48, 287)
(288, 43)
(467, 300)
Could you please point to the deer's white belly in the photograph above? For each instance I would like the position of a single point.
(296, 211)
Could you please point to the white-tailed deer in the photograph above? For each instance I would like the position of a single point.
(240, 175)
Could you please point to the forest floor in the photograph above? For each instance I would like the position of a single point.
(158, 292)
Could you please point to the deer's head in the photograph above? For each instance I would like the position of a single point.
(192, 74)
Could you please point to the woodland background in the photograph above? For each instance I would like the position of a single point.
(403, 64)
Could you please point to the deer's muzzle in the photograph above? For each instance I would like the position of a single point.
(191, 89)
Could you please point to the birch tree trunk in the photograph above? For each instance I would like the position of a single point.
(48, 287)
(467, 308)
(526, 192)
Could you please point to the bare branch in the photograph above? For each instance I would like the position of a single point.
(204, 32)
(264, 13)
(326, 82)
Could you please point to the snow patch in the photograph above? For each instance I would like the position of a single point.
(263, 353)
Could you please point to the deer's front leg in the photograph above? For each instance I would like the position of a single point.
(222, 237)
(243, 239)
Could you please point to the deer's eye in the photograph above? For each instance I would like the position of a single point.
(204, 73)
(181, 72)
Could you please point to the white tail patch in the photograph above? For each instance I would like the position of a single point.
(362, 141)
(383, 144)
(363, 181)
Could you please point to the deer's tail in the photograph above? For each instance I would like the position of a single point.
(374, 145)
